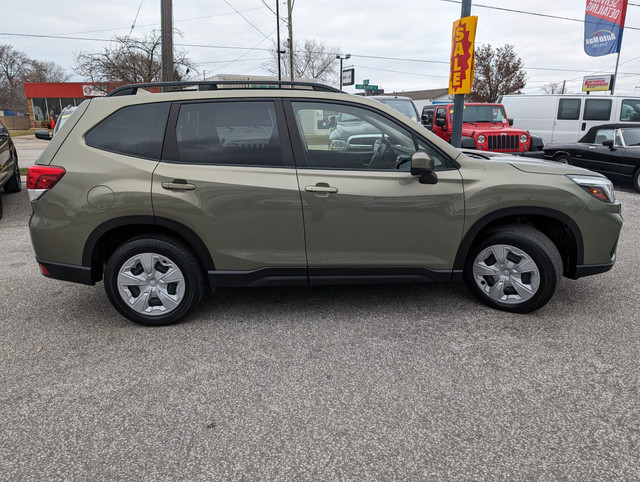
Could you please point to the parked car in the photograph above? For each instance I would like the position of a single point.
(350, 133)
(45, 135)
(610, 149)
(9, 169)
(485, 127)
(563, 118)
(140, 191)
(404, 105)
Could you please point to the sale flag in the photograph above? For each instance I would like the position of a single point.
(603, 26)
(462, 55)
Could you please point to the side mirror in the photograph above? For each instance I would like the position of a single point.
(441, 122)
(422, 165)
(510, 122)
(43, 134)
(608, 143)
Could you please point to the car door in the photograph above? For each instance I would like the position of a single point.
(373, 220)
(227, 174)
(607, 160)
(566, 124)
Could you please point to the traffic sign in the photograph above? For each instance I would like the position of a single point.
(366, 87)
(365, 81)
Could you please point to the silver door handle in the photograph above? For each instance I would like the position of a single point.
(178, 186)
(321, 188)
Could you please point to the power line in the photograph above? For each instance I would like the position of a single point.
(247, 20)
(133, 25)
(491, 7)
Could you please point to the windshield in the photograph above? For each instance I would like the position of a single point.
(482, 113)
(631, 136)
(404, 106)
(66, 113)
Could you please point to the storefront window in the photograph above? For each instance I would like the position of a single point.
(40, 110)
(66, 102)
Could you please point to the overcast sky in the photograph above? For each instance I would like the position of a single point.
(413, 36)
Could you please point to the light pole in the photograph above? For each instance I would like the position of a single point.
(342, 57)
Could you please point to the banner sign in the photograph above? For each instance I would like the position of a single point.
(603, 26)
(462, 55)
(596, 83)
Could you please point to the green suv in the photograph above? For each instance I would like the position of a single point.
(166, 195)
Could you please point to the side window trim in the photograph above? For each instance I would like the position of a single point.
(170, 152)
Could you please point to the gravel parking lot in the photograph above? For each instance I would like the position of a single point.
(364, 382)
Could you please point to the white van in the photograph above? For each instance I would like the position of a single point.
(568, 117)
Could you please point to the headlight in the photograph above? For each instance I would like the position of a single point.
(481, 139)
(337, 145)
(599, 187)
(524, 138)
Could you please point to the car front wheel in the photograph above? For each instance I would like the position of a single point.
(514, 268)
(154, 281)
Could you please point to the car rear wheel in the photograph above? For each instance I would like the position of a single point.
(14, 184)
(514, 268)
(154, 281)
(563, 158)
(636, 180)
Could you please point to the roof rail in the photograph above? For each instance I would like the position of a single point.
(132, 89)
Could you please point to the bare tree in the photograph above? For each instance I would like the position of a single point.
(46, 72)
(130, 60)
(16, 69)
(13, 69)
(552, 88)
(497, 72)
(313, 60)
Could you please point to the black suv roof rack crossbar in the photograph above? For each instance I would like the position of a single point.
(132, 89)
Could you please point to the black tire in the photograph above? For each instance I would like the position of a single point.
(636, 180)
(14, 184)
(166, 302)
(563, 158)
(505, 289)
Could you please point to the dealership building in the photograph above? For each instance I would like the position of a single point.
(46, 100)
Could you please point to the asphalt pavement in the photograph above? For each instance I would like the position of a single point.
(412, 382)
(29, 148)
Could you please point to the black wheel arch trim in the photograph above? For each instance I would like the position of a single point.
(483, 222)
(186, 233)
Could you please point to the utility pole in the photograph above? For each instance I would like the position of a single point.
(290, 8)
(278, 29)
(458, 99)
(342, 57)
(167, 40)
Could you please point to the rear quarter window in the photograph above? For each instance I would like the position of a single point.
(136, 130)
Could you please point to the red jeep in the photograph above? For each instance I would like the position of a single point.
(485, 127)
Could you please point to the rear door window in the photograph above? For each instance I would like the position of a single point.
(569, 109)
(136, 130)
(229, 133)
(597, 109)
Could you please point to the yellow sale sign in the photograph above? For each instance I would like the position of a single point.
(462, 55)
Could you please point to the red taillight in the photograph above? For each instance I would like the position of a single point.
(42, 178)
(44, 270)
